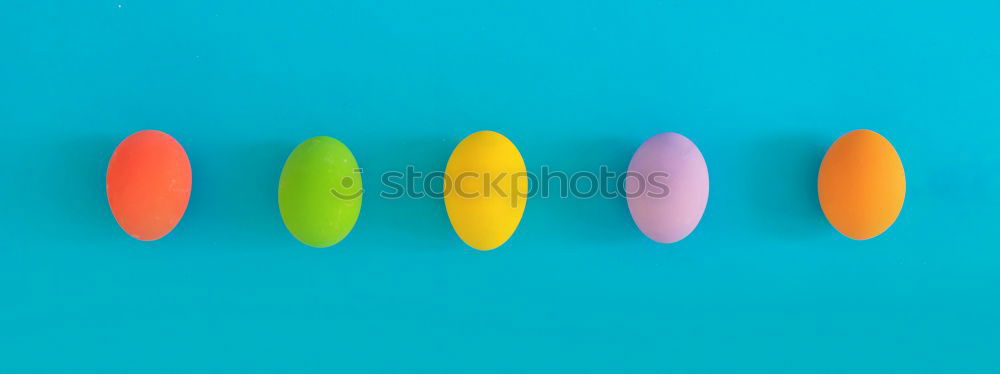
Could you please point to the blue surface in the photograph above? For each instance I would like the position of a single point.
(763, 285)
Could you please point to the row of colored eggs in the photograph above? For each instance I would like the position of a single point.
(861, 187)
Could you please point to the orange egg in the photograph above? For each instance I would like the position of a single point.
(861, 184)
(148, 184)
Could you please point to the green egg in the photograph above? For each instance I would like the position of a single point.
(319, 193)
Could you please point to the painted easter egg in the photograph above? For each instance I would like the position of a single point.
(486, 187)
(861, 184)
(319, 192)
(148, 184)
(667, 187)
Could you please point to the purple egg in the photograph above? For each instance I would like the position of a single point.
(667, 187)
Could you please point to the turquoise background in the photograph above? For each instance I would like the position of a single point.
(763, 285)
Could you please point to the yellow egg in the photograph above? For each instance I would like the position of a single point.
(486, 186)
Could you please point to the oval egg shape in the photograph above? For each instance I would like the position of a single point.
(148, 184)
(485, 192)
(667, 187)
(319, 192)
(861, 184)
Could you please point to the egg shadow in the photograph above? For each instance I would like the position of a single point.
(400, 209)
(75, 190)
(584, 215)
(782, 185)
(235, 190)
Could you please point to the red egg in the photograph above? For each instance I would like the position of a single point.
(148, 184)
